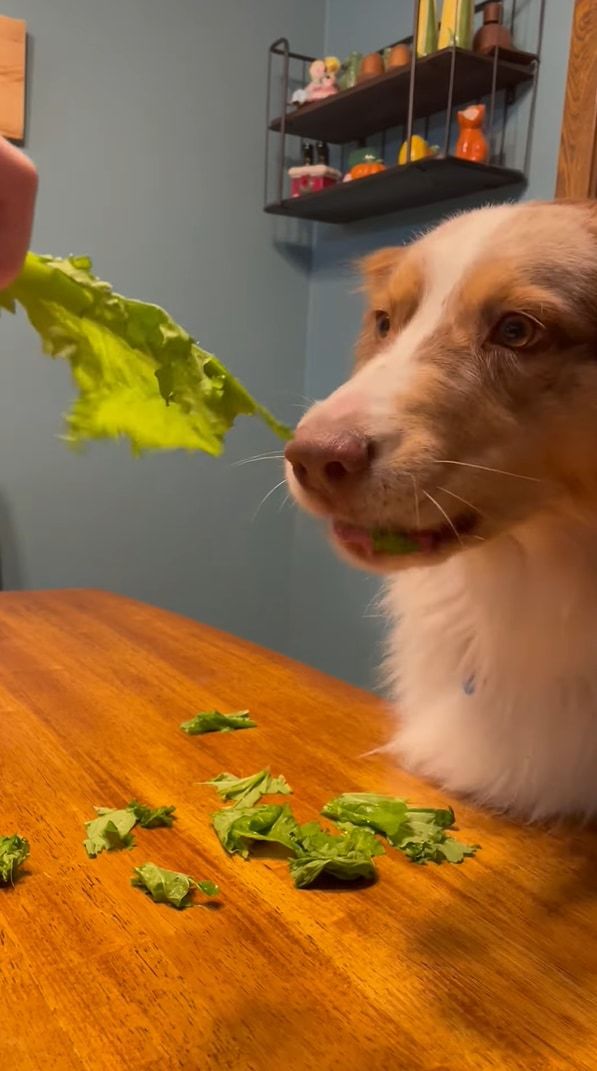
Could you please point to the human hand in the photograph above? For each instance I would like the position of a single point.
(18, 188)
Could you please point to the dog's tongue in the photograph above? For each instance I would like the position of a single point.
(359, 538)
(370, 543)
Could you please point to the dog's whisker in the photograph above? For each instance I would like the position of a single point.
(258, 457)
(464, 501)
(416, 499)
(283, 503)
(487, 468)
(444, 514)
(265, 498)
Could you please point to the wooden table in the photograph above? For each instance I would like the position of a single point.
(488, 965)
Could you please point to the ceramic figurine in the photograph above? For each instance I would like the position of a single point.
(362, 163)
(398, 56)
(492, 33)
(323, 81)
(419, 150)
(371, 66)
(472, 143)
(349, 71)
(457, 24)
(427, 32)
(311, 178)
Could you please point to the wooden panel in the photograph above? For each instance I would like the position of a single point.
(13, 35)
(577, 164)
(491, 966)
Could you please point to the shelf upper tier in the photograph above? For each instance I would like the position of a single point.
(382, 102)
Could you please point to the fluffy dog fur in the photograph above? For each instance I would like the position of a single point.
(475, 394)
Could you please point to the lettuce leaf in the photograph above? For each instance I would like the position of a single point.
(170, 887)
(237, 826)
(313, 851)
(110, 831)
(417, 832)
(13, 853)
(211, 721)
(151, 817)
(347, 856)
(247, 791)
(139, 374)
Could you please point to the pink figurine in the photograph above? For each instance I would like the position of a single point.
(323, 81)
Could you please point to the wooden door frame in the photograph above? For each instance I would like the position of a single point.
(577, 162)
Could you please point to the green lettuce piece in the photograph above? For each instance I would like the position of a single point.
(418, 832)
(236, 827)
(211, 721)
(139, 374)
(247, 791)
(13, 853)
(393, 543)
(170, 887)
(347, 855)
(151, 817)
(313, 851)
(110, 831)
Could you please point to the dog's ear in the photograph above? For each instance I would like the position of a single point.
(376, 267)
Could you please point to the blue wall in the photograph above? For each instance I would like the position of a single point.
(146, 123)
(334, 621)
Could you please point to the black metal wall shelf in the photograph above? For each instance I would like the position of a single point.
(383, 102)
(400, 187)
(396, 100)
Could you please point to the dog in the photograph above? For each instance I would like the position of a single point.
(460, 462)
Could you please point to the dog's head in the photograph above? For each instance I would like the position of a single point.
(473, 403)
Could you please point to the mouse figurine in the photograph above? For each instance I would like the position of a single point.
(472, 143)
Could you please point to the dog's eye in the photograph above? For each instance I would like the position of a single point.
(515, 331)
(382, 323)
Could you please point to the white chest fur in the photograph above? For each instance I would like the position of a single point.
(493, 657)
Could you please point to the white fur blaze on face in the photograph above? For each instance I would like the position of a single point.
(369, 403)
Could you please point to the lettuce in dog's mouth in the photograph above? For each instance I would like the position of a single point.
(385, 542)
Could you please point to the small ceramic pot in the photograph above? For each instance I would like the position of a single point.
(400, 56)
(371, 66)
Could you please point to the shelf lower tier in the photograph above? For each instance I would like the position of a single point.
(408, 186)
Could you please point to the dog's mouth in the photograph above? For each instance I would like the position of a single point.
(375, 545)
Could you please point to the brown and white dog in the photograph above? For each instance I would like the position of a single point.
(469, 427)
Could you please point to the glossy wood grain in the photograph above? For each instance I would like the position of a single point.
(577, 163)
(492, 965)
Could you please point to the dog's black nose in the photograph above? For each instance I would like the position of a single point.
(327, 462)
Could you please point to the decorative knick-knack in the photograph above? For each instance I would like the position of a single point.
(492, 33)
(362, 163)
(323, 81)
(371, 66)
(472, 143)
(457, 24)
(349, 71)
(398, 56)
(427, 31)
(419, 150)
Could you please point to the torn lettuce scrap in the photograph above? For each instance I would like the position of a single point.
(418, 832)
(247, 791)
(170, 887)
(13, 853)
(211, 721)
